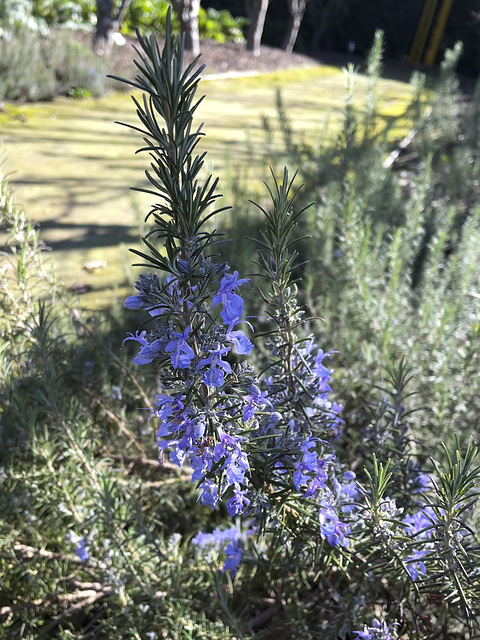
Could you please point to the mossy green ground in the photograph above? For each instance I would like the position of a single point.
(71, 167)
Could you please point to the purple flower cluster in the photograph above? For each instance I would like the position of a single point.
(231, 541)
(312, 421)
(331, 527)
(419, 527)
(216, 416)
(232, 302)
(378, 631)
(342, 499)
(310, 471)
(82, 550)
(235, 469)
(318, 377)
(198, 424)
(81, 546)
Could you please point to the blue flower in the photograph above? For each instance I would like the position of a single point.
(177, 430)
(231, 539)
(241, 344)
(310, 470)
(203, 539)
(366, 634)
(209, 493)
(378, 631)
(147, 354)
(215, 375)
(148, 294)
(303, 471)
(254, 399)
(236, 465)
(236, 461)
(234, 556)
(201, 463)
(140, 337)
(422, 482)
(317, 483)
(346, 492)
(218, 536)
(331, 528)
(135, 302)
(320, 370)
(148, 351)
(322, 373)
(421, 523)
(226, 444)
(82, 550)
(237, 502)
(167, 404)
(183, 353)
(232, 303)
(415, 565)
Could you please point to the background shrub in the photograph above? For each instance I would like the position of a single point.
(36, 68)
(68, 13)
(390, 268)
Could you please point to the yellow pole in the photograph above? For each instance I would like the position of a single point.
(438, 32)
(422, 31)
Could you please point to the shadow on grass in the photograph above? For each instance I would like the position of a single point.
(87, 236)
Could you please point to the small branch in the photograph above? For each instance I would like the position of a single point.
(404, 144)
(96, 586)
(25, 551)
(145, 462)
(263, 617)
(112, 416)
(87, 592)
(90, 596)
(120, 15)
(158, 484)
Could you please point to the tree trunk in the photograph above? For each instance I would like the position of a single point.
(256, 12)
(102, 39)
(297, 11)
(108, 23)
(187, 11)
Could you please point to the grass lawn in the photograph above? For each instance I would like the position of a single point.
(71, 166)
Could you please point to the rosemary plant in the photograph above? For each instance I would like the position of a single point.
(262, 436)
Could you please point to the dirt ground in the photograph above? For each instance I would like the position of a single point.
(228, 58)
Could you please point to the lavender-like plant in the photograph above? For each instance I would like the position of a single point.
(254, 440)
(259, 435)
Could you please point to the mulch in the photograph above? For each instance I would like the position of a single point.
(224, 58)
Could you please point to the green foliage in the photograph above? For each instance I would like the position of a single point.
(67, 13)
(16, 14)
(391, 265)
(221, 25)
(147, 15)
(37, 64)
(151, 15)
(36, 68)
(406, 534)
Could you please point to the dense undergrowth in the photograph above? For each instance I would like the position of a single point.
(96, 535)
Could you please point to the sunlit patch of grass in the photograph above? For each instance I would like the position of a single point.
(72, 167)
